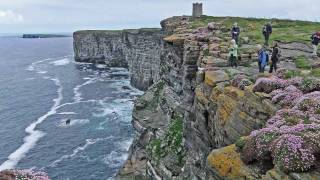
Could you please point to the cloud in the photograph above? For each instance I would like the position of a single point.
(10, 17)
(72, 15)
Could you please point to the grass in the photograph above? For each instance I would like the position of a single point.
(315, 72)
(170, 144)
(291, 74)
(302, 62)
(283, 30)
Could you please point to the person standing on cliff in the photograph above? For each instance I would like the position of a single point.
(235, 32)
(274, 57)
(267, 31)
(263, 58)
(233, 54)
(315, 41)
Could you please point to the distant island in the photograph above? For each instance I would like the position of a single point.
(32, 36)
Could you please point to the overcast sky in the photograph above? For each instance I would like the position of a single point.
(40, 16)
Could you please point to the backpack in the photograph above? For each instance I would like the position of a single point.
(279, 53)
(264, 29)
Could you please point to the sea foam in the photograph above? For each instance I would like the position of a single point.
(61, 62)
(33, 135)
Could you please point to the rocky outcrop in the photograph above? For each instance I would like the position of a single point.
(226, 163)
(138, 50)
(196, 106)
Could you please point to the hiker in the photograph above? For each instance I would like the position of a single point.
(274, 57)
(235, 32)
(233, 54)
(68, 121)
(315, 41)
(267, 31)
(263, 58)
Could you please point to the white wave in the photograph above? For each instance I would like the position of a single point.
(73, 103)
(61, 62)
(124, 145)
(41, 72)
(68, 113)
(73, 122)
(83, 63)
(33, 135)
(101, 66)
(115, 159)
(104, 111)
(78, 149)
(30, 79)
(76, 90)
(32, 67)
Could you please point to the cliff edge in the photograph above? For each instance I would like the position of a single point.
(189, 119)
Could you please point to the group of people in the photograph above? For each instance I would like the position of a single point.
(263, 51)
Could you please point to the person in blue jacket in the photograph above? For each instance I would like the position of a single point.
(263, 58)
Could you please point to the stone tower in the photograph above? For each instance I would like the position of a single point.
(197, 10)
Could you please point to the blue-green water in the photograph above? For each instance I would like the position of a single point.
(40, 88)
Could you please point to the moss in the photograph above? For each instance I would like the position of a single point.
(241, 142)
(227, 162)
(206, 52)
(155, 148)
(302, 62)
(157, 95)
(226, 107)
(170, 144)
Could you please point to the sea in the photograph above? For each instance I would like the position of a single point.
(42, 87)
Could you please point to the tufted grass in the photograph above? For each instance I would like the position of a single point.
(283, 30)
(315, 72)
(302, 62)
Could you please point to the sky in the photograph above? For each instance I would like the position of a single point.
(49, 16)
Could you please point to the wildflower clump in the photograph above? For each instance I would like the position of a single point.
(291, 138)
(26, 174)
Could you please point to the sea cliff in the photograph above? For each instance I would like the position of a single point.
(189, 119)
(139, 50)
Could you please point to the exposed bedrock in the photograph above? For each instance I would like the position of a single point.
(188, 119)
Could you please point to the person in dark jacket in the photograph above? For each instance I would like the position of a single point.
(315, 41)
(235, 32)
(263, 58)
(274, 58)
(267, 31)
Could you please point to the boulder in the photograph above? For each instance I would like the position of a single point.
(214, 77)
(225, 163)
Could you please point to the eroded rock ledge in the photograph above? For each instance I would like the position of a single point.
(188, 119)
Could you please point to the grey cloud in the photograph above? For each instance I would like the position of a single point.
(71, 15)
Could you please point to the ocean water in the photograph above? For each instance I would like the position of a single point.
(40, 88)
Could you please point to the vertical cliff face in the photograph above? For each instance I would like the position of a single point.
(138, 50)
(187, 111)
